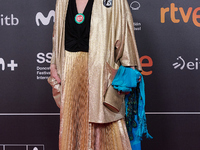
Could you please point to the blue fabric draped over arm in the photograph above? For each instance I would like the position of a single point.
(130, 80)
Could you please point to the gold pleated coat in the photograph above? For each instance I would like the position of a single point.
(111, 43)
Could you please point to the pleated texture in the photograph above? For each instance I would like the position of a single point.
(74, 104)
(109, 136)
(76, 133)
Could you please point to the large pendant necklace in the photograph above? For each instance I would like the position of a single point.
(79, 18)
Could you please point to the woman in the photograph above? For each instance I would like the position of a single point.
(90, 38)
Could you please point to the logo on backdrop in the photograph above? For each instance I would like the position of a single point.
(135, 5)
(147, 63)
(185, 14)
(43, 69)
(11, 65)
(137, 26)
(44, 20)
(182, 64)
(9, 20)
(2, 63)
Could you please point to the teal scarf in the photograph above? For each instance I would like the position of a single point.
(130, 80)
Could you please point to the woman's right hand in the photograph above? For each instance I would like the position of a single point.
(54, 73)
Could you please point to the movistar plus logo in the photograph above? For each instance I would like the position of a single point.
(12, 65)
(190, 65)
(44, 20)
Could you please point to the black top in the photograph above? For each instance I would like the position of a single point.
(77, 35)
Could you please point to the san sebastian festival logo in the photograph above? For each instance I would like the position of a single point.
(43, 67)
(135, 5)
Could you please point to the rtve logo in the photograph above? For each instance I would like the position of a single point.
(184, 14)
(44, 20)
(146, 61)
(8, 20)
(10, 65)
(191, 65)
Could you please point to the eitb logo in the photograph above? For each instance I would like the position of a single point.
(8, 20)
(190, 65)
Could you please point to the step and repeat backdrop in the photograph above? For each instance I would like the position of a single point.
(168, 40)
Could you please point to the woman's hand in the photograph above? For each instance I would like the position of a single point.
(54, 73)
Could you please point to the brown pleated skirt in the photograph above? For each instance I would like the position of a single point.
(76, 133)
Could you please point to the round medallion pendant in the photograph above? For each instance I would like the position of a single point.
(79, 18)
